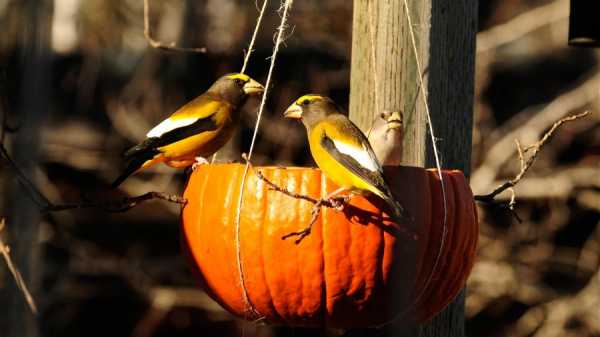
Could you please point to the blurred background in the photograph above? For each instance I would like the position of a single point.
(79, 84)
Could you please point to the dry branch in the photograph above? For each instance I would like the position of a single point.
(526, 164)
(531, 129)
(116, 205)
(335, 202)
(558, 185)
(159, 45)
(46, 205)
(522, 25)
(4, 250)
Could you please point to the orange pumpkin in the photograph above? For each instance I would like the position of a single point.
(356, 268)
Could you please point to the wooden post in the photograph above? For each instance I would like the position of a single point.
(22, 215)
(445, 37)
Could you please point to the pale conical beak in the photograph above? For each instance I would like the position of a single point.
(253, 88)
(294, 111)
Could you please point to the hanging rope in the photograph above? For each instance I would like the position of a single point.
(249, 52)
(375, 69)
(284, 9)
(256, 29)
(435, 149)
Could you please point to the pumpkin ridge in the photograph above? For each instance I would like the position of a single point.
(464, 221)
(422, 272)
(380, 277)
(250, 309)
(280, 312)
(467, 247)
(474, 226)
(262, 246)
(319, 222)
(297, 258)
(449, 250)
(323, 223)
(427, 275)
(439, 264)
(453, 261)
(247, 306)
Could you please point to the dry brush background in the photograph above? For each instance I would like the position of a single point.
(79, 83)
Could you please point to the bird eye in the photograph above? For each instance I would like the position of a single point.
(238, 81)
(304, 102)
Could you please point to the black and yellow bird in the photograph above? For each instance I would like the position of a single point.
(195, 131)
(341, 150)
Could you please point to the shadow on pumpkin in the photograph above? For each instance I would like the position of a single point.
(363, 217)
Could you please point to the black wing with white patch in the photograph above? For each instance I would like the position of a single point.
(175, 135)
(360, 161)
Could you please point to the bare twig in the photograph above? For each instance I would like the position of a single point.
(529, 125)
(47, 206)
(336, 203)
(274, 187)
(4, 250)
(559, 185)
(253, 39)
(159, 45)
(34, 194)
(525, 165)
(316, 210)
(522, 25)
(117, 205)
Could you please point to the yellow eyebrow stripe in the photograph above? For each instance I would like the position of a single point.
(242, 77)
(309, 98)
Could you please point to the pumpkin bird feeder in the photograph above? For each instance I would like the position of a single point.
(356, 268)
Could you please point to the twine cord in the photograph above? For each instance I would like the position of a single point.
(280, 30)
(371, 27)
(253, 40)
(435, 149)
(249, 52)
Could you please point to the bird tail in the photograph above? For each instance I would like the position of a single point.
(135, 163)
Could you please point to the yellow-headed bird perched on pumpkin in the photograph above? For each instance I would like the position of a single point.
(195, 131)
(341, 150)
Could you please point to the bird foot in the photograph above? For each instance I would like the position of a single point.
(199, 161)
(338, 203)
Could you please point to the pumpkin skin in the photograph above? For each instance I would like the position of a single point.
(355, 269)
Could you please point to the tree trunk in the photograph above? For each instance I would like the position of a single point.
(23, 217)
(445, 37)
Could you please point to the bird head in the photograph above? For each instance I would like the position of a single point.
(311, 109)
(236, 87)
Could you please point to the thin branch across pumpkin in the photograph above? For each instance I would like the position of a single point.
(336, 203)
